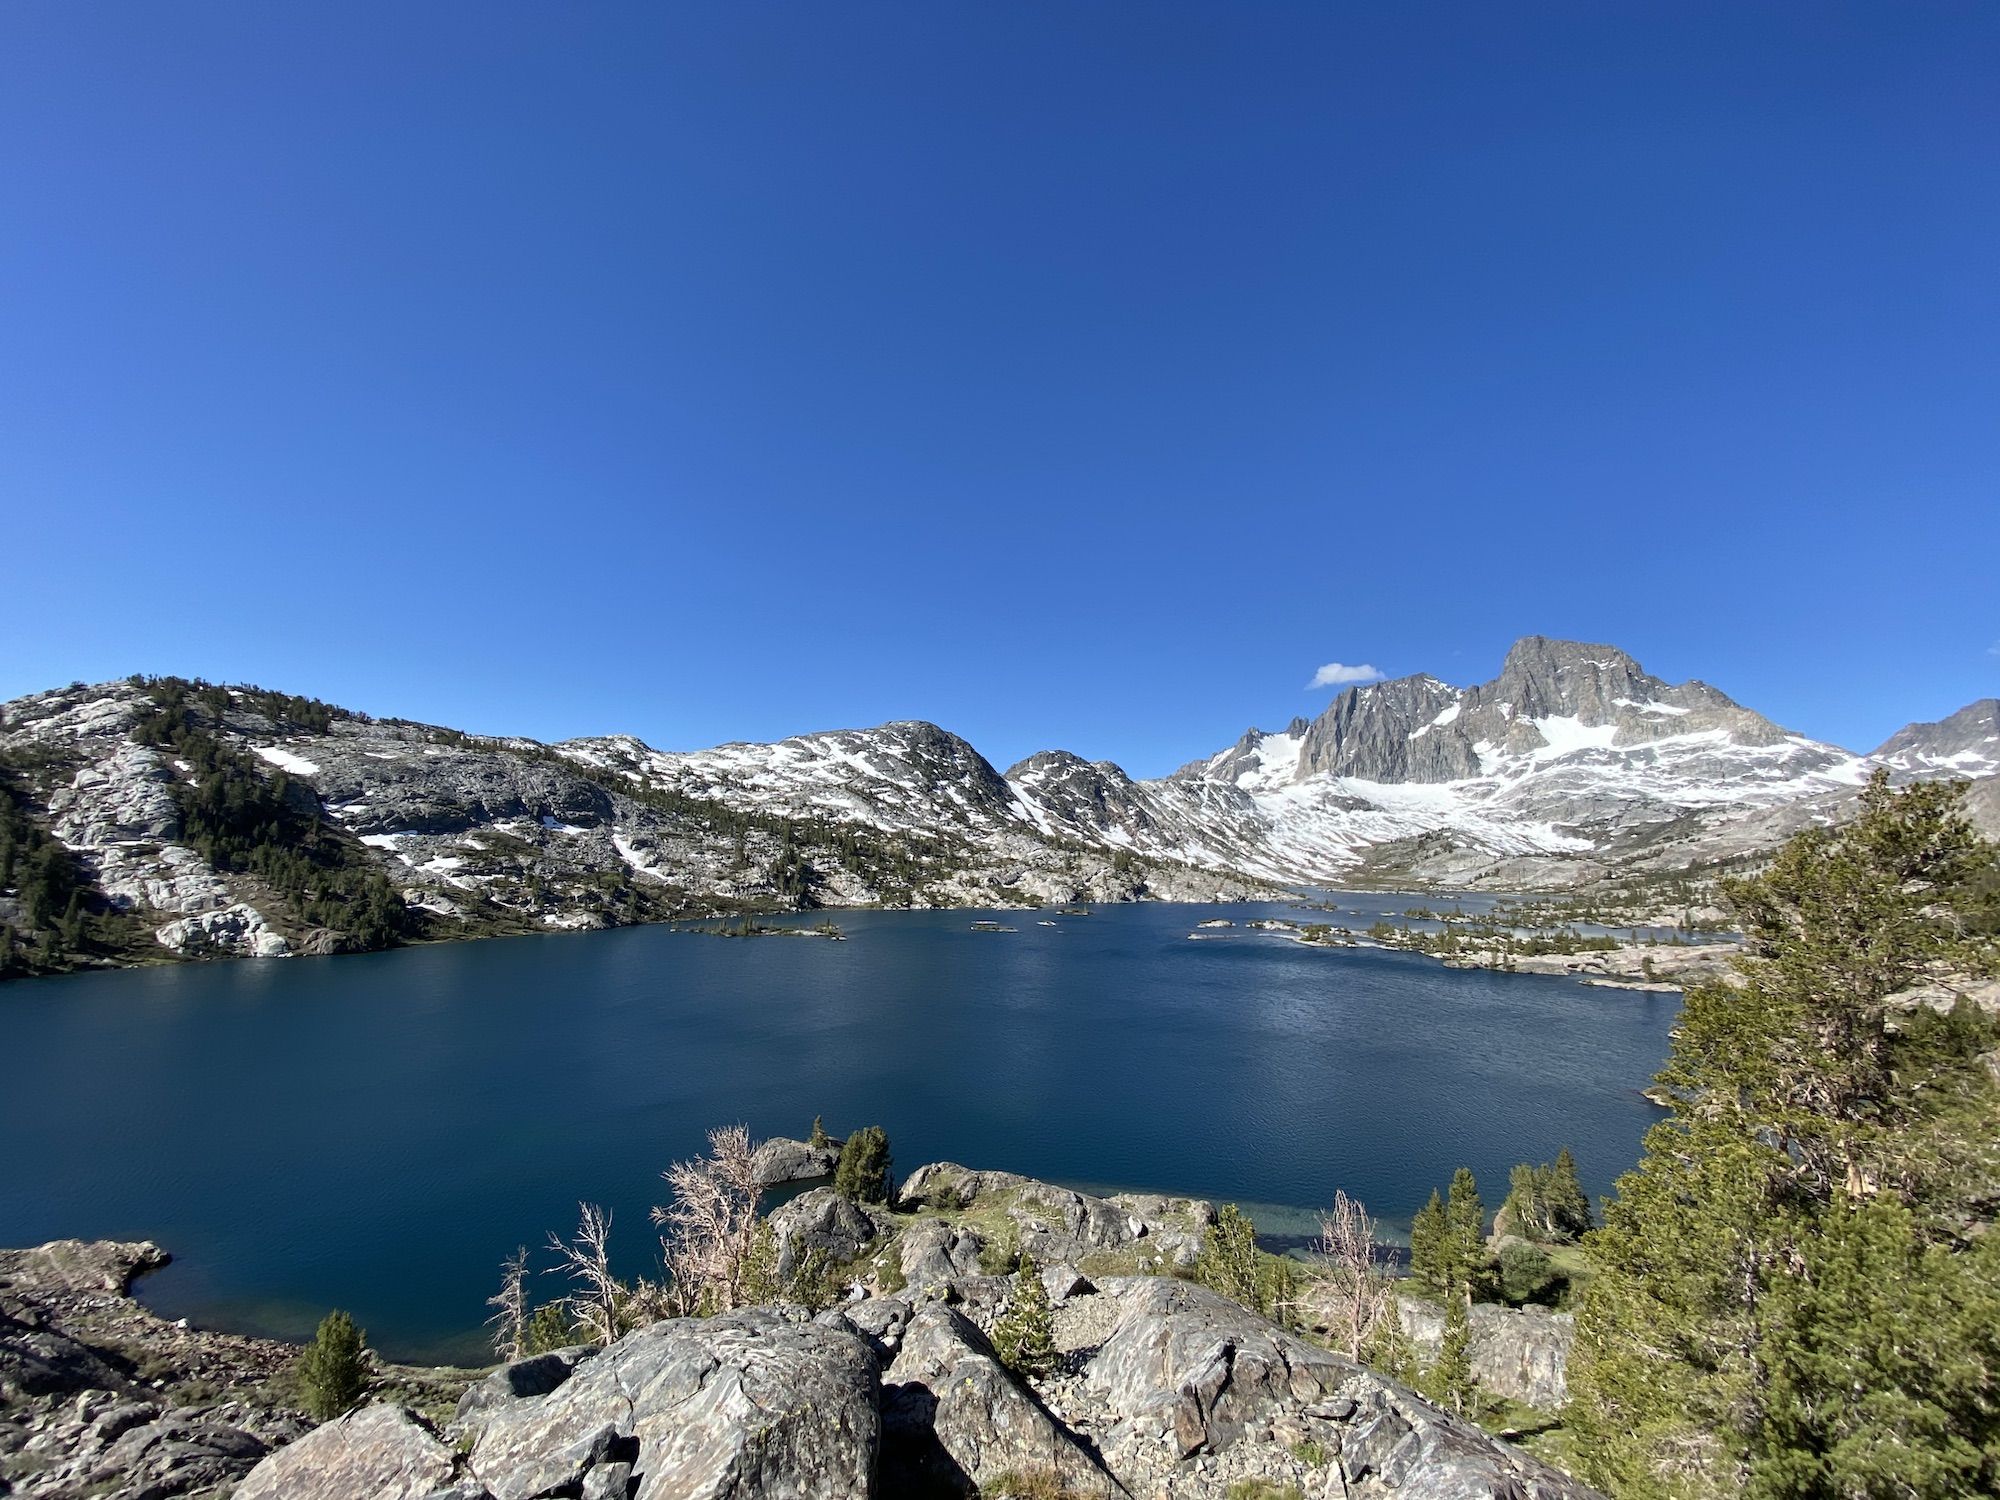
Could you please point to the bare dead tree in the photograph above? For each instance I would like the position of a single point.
(510, 1304)
(711, 1224)
(1356, 1293)
(598, 1301)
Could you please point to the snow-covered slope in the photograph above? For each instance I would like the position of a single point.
(470, 835)
(1571, 764)
(1572, 759)
(902, 776)
(1965, 744)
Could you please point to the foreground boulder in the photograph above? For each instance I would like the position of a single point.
(823, 1220)
(1162, 1388)
(1195, 1392)
(739, 1405)
(954, 1420)
(381, 1452)
(932, 1253)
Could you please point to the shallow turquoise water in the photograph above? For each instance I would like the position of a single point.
(377, 1132)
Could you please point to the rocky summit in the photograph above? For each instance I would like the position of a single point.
(214, 820)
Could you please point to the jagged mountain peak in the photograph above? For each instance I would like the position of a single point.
(1535, 652)
(1552, 698)
(1542, 676)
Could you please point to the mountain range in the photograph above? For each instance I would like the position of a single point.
(210, 819)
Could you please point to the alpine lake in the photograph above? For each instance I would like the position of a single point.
(377, 1132)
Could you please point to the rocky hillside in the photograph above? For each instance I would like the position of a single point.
(1159, 1387)
(1965, 744)
(166, 816)
(161, 816)
(1572, 765)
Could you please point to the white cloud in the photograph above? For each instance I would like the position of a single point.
(1339, 674)
(1994, 649)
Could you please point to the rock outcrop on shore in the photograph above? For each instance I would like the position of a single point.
(99, 1397)
(781, 1160)
(1056, 1225)
(1162, 1388)
(1165, 1390)
(1168, 1391)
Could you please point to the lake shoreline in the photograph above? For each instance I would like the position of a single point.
(461, 1097)
(1653, 967)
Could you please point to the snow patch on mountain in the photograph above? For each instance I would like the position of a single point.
(285, 760)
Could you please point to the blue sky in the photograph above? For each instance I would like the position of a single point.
(1076, 375)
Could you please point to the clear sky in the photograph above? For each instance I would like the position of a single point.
(1082, 375)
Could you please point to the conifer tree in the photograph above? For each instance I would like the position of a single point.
(333, 1370)
(862, 1173)
(1390, 1351)
(1464, 1233)
(816, 1283)
(760, 1283)
(1449, 1379)
(1793, 1294)
(549, 1328)
(1547, 1202)
(1281, 1294)
(1228, 1262)
(1569, 1205)
(1025, 1335)
(1428, 1267)
(1524, 1211)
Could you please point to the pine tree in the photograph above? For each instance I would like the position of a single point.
(1389, 1350)
(1428, 1265)
(1525, 1273)
(817, 1281)
(1547, 1202)
(1464, 1233)
(1228, 1262)
(1281, 1293)
(819, 1140)
(1920, 1419)
(1525, 1211)
(1449, 1379)
(760, 1282)
(333, 1370)
(1025, 1335)
(1792, 1297)
(1568, 1204)
(549, 1328)
(862, 1173)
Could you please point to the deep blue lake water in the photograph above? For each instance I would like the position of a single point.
(377, 1132)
